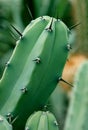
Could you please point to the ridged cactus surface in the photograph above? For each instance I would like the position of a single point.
(4, 125)
(34, 69)
(42, 121)
(77, 117)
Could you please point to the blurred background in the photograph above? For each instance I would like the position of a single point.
(20, 12)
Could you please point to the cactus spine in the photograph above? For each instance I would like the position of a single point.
(34, 68)
(42, 121)
(77, 116)
(4, 125)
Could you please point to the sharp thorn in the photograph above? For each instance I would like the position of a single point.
(29, 12)
(50, 26)
(13, 36)
(16, 30)
(14, 119)
(60, 79)
(73, 26)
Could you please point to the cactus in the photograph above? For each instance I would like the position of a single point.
(77, 116)
(34, 69)
(42, 121)
(4, 125)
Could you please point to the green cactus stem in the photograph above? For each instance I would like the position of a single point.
(33, 70)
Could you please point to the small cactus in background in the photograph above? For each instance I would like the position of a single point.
(4, 125)
(34, 69)
(77, 116)
(42, 121)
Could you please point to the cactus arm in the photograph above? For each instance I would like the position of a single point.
(39, 94)
(33, 70)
